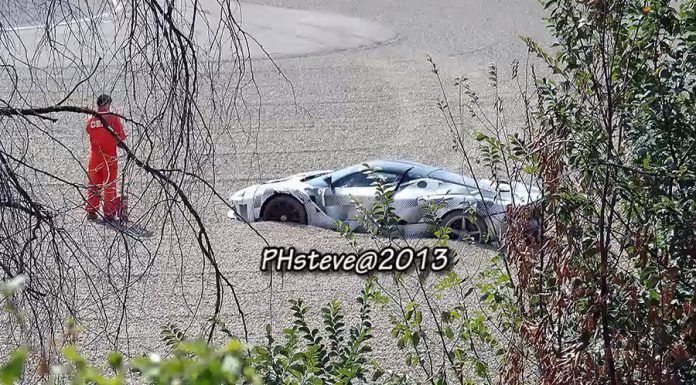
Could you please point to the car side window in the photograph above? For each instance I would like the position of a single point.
(356, 179)
(412, 175)
(386, 177)
(360, 179)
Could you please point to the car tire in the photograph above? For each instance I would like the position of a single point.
(284, 208)
(475, 228)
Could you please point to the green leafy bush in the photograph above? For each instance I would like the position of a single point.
(613, 286)
(192, 361)
(336, 356)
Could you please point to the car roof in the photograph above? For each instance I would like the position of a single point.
(402, 165)
(438, 173)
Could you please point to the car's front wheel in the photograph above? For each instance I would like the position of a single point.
(465, 227)
(283, 208)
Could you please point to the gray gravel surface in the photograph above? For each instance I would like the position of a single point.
(348, 107)
(27, 13)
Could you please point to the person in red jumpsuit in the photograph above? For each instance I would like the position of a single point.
(103, 163)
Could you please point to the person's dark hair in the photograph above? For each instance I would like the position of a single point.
(103, 100)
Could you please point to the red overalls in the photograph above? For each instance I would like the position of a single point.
(103, 164)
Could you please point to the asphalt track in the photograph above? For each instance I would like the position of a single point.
(365, 91)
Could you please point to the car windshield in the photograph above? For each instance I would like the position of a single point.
(320, 181)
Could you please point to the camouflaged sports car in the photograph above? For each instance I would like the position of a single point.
(472, 209)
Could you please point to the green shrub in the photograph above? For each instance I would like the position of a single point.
(309, 356)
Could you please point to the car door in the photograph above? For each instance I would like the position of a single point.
(408, 197)
(340, 200)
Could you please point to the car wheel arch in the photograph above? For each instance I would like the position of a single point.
(277, 195)
(462, 206)
(463, 212)
(446, 214)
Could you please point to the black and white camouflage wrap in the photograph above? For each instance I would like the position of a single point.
(325, 206)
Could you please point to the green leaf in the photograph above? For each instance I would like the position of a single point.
(531, 170)
(115, 360)
(479, 135)
(415, 339)
(13, 369)
(70, 352)
(481, 369)
(377, 374)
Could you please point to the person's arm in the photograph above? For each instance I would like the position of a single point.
(120, 131)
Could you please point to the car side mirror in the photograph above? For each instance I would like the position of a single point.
(329, 181)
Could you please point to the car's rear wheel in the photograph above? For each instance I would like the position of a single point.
(465, 227)
(283, 208)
